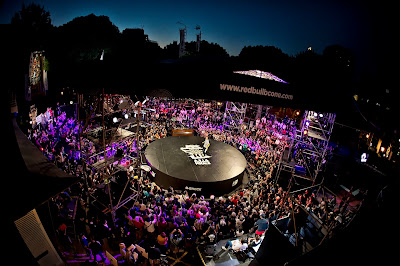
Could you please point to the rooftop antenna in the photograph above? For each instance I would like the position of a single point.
(182, 37)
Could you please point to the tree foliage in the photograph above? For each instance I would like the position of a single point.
(76, 46)
(33, 17)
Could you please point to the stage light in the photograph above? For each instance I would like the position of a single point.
(307, 123)
(297, 113)
(71, 102)
(115, 120)
(305, 132)
(126, 116)
(315, 114)
(382, 149)
(321, 115)
(367, 136)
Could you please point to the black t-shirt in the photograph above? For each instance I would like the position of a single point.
(154, 253)
(95, 247)
(190, 220)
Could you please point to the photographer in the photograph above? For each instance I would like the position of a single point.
(176, 237)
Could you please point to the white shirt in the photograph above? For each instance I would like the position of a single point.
(206, 143)
(236, 245)
(150, 226)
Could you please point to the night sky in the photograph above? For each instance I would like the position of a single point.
(289, 25)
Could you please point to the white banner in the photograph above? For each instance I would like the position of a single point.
(253, 90)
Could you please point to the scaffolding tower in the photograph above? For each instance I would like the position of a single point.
(306, 155)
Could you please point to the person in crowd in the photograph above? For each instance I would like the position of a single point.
(262, 224)
(162, 242)
(85, 245)
(180, 219)
(236, 245)
(176, 238)
(254, 243)
(149, 225)
(96, 249)
(154, 254)
(139, 224)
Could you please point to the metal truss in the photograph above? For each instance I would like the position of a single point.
(309, 146)
(234, 115)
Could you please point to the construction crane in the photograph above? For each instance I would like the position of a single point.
(198, 38)
(182, 41)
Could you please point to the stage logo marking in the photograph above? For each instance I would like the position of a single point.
(196, 153)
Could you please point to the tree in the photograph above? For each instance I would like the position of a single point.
(171, 51)
(212, 49)
(33, 23)
(267, 58)
(340, 62)
(84, 38)
(32, 17)
(30, 30)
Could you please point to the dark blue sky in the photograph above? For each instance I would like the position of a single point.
(289, 25)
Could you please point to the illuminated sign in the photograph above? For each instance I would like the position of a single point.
(234, 183)
(364, 157)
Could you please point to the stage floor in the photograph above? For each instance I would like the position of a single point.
(185, 167)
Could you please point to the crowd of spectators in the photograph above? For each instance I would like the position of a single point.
(176, 221)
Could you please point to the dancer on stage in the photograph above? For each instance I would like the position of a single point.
(206, 145)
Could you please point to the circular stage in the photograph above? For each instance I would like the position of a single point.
(180, 162)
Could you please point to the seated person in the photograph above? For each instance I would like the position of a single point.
(255, 243)
(236, 245)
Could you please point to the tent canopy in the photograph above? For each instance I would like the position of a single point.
(33, 179)
(275, 248)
